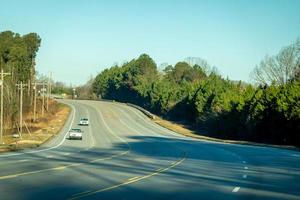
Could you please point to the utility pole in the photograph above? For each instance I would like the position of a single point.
(35, 84)
(21, 86)
(43, 99)
(48, 90)
(21, 107)
(50, 85)
(1, 114)
(34, 102)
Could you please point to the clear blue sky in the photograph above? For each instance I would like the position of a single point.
(82, 37)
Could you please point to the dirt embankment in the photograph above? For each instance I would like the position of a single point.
(36, 133)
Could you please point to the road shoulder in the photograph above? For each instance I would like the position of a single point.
(45, 129)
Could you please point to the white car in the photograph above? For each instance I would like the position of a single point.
(84, 122)
(75, 133)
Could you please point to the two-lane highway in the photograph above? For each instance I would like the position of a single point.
(124, 155)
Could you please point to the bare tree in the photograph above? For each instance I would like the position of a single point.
(199, 61)
(280, 68)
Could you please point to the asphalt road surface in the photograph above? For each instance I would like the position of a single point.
(123, 155)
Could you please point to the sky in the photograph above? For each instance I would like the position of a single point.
(80, 38)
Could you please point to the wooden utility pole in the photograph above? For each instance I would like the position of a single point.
(1, 109)
(21, 86)
(43, 99)
(34, 102)
(21, 107)
(50, 85)
(35, 84)
(48, 90)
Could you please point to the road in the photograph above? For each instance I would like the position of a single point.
(123, 155)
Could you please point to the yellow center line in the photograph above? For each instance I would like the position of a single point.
(160, 169)
(136, 177)
(59, 167)
(133, 180)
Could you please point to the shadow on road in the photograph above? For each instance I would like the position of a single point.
(210, 171)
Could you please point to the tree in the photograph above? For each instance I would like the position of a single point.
(17, 56)
(281, 68)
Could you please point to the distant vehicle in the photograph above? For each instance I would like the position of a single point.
(84, 122)
(75, 133)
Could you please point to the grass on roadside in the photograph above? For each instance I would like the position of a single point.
(41, 131)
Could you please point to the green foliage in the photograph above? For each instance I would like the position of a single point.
(17, 56)
(226, 109)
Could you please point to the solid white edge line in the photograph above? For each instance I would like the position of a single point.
(54, 147)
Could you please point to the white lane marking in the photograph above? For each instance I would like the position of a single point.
(24, 160)
(171, 134)
(245, 176)
(236, 189)
(66, 154)
(244, 162)
(54, 147)
(245, 167)
(153, 124)
(140, 125)
(109, 129)
(128, 117)
(49, 156)
(90, 131)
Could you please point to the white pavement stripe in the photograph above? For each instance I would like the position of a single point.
(47, 149)
(25, 160)
(244, 162)
(245, 176)
(49, 157)
(245, 167)
(236, 189)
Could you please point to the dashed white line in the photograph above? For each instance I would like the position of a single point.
(245, 176)
(66, 154)
(236, 189)
(49, 157)
(245, 167)
(25, 160)
(244, 162)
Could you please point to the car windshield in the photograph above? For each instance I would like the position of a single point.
(84, 119)
(75, 130)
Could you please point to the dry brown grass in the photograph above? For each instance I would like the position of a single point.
(42, 130)
(182, 129)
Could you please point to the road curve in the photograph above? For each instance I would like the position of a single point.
(124, 155)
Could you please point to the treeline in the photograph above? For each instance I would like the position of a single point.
(194, 93)
(17, 57)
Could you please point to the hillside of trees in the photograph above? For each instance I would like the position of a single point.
(194, 93)
(17, 57)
